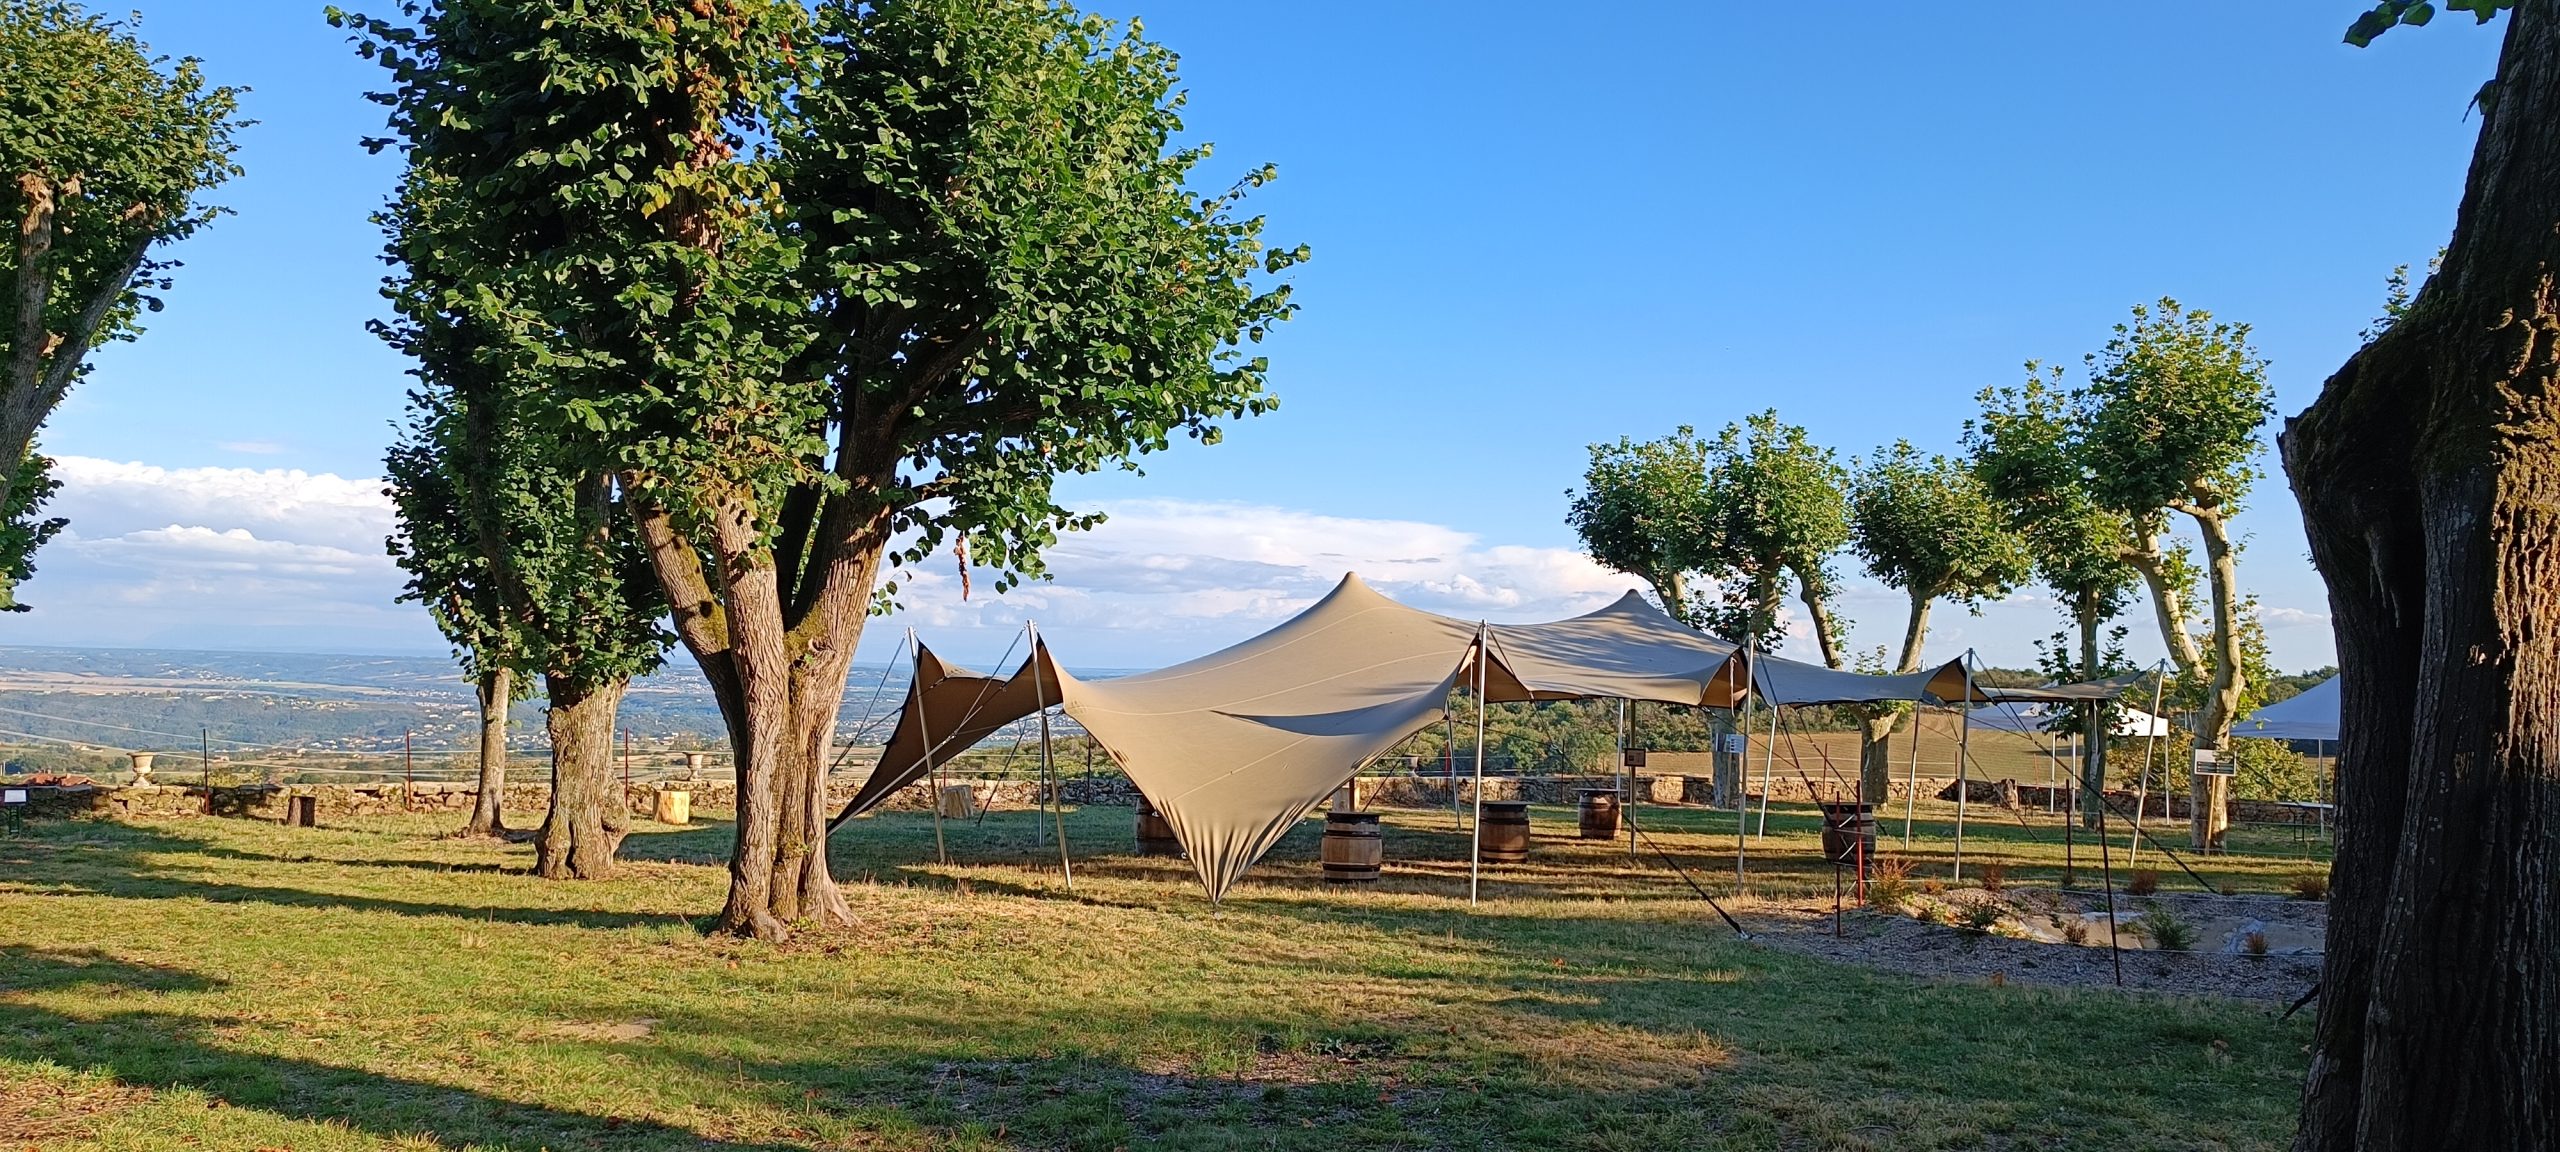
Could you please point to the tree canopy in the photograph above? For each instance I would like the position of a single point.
(105, 149)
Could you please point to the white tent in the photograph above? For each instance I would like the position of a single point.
(2038, 718)
(2313, 715)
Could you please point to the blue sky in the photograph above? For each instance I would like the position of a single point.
(1535, 227)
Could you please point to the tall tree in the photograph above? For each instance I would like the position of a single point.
(104, 151)
(1777, 507)
(2169, 424)
(1929, 527)
(2429, 479)
(1642, 510)
(453, 576)
(975, 264)
(2025, 450)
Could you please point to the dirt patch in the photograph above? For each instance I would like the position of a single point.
(622, 1030)
(38, 1110)
(2053, 938)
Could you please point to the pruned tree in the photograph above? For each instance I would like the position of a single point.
(104, 151)
(1929, 527)
(455, 579)
(2025, 450)
(2169, 424)
(1642, 510)
(2429, 477)
(1777, 507)
(974, 263)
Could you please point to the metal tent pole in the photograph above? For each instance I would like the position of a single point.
(2142, 783)
(1626, 780)
(1911, 791)
(924, 733)
(1768, 772)
(2052, 773)
(1475, 853)
(1057, 803)
(1964, 753)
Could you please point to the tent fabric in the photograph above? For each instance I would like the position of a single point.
(2107, 689)
(956, 708)
(1629, 650)
(1785, 682)
(2313, 715)
(1234, 747)
(2032, 719)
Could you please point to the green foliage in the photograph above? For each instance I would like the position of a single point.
(1642, 510)
(22, 528)
(1931, 528)
(104, 151)
(2166, 930)
(2171, 414)
(2269, 770)
(2025, 449)
(2390, 14)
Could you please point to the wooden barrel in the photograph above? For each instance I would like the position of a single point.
(1599, 813)
(302, 811)
(1849, 833)
(1352, 848)
(957, 802)
(1505, 834)
(1155, 835)
(675, 806)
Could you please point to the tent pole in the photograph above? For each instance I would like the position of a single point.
(1911, 791)
(1626, 779)
(1964, 752)
(1475, 852)
(1057, 803)
(1768, 772)
(2052, 773)
(2106, 871)
(2142, 783)
(915, 685)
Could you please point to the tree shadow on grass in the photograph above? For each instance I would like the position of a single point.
(122, 861)
(162, 1051)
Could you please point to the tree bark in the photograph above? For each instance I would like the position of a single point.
(1875, 762)
(2429, 477)
(2210, 796)
(589, 814)
(488, 817)
(2093, 743)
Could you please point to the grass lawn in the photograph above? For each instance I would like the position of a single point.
(221, 984)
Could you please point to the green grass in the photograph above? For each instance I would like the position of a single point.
(219, 984)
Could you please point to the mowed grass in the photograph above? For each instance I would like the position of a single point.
(221, 984)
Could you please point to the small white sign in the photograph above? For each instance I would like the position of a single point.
(1736, 744)
(13, 796)
(2209, 763)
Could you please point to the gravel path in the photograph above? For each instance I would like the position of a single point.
(2029, 943)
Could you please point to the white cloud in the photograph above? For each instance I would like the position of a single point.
(2292, 618)
(218, 557)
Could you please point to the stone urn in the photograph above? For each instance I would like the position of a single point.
(141, 768)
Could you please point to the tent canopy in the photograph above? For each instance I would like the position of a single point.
(2037, 717)
(2313, 715)
(1234, 747)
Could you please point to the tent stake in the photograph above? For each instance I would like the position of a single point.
(1475, 852)
(1057, 803)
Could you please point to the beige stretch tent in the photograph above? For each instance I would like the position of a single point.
(1234, 747)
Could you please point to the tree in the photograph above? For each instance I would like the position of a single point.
(1642, 510)
(973, 264)
(1928, 527)
(2025, 452)
(23, 526)
(2429, 478)
(525, 556)
(2169, 424)
(102, 157)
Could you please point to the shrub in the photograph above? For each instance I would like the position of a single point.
(2311, 886)
(1890, 883)
(2166, 931)
(1978, 915)
(2076, 931)
(1994, 876)
(2144, 882)
(1933, 886)
(2256, 943)
(2228, 888)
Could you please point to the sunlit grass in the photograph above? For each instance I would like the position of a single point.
(229, 985)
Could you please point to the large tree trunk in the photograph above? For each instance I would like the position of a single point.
(1875, 762)
(2210, 795)
(497, 688)
(589, 815)
(2429, 477)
